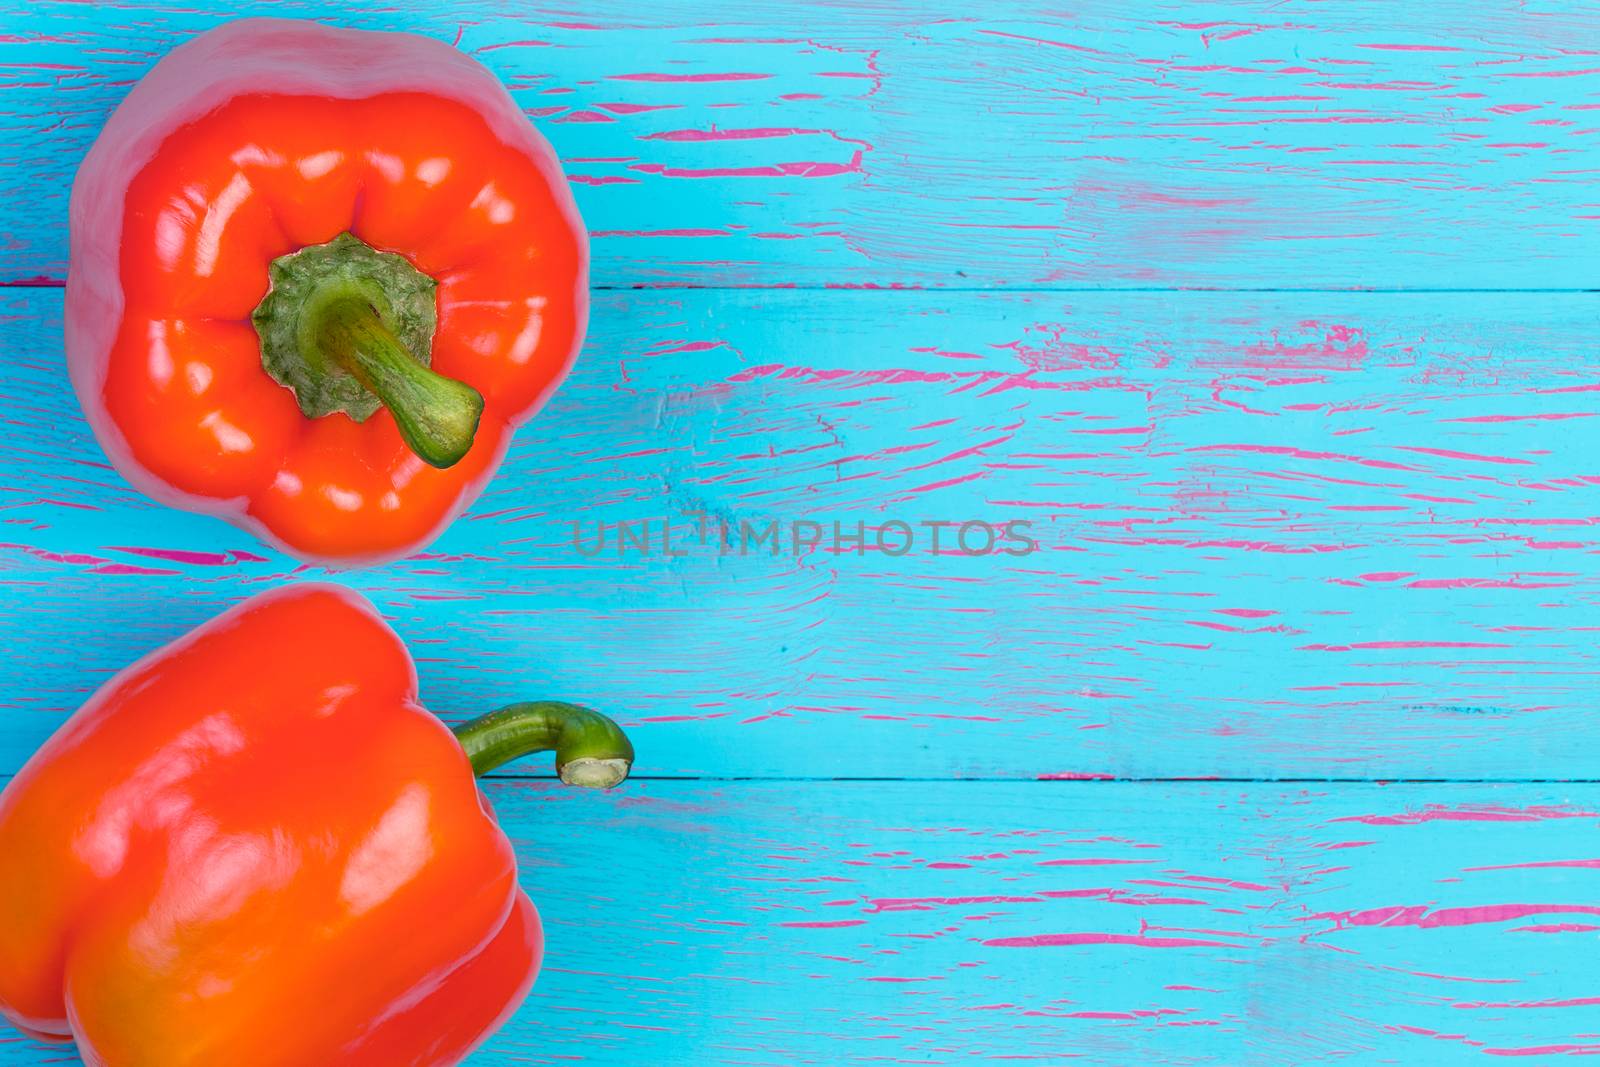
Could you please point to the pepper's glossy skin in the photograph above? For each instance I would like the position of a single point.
(255, 847)
(257, 139)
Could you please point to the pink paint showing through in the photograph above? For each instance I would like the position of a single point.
(1437, 813)
(1419, 916)
(1133, 940)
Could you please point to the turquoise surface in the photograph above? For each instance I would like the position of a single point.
(1270, 326)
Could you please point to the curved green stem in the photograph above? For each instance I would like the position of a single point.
(437, 416)
(590, 749)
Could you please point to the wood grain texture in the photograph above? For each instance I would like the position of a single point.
(1282, 534)
(1373, 515)
(1255, 144)
(789, 924)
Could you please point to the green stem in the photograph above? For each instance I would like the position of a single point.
(437, 416)
(590, 749)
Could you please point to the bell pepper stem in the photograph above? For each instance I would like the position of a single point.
(590, 749)
(437, 416)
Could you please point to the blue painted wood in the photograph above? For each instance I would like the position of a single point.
(1371, 514)
(791, 924)
(1156, 144)
(1284, 534)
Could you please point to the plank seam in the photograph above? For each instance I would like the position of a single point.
(1085, 781)
(56, 283)
(1089, 781)
(925, 780)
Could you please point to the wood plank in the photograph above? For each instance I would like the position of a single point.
(716, 143)
(789, 924)
(1280, 535)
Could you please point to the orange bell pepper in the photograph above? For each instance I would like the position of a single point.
(318, 276)
(255, 847)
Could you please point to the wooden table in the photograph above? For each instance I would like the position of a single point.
(1270, 318)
